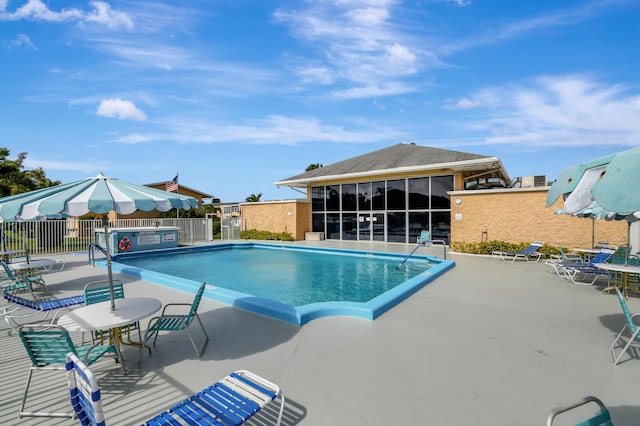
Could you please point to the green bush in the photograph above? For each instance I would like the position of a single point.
(488, 247)
(254, 234)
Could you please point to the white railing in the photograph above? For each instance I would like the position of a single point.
(73, 235)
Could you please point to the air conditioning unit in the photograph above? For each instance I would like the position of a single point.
(534, 181)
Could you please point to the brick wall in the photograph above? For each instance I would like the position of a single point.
(292, 216)
(521, 216)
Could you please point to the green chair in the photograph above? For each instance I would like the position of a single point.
(48, 346)
(12, 283)
(177, 322)
(566, 256)
(600, 418)
(629, 324)
(99, 291)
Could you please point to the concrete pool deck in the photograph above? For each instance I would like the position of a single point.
(487, 343)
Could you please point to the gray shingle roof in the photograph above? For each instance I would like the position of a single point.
(396, 156)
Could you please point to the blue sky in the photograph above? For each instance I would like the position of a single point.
(235, 95)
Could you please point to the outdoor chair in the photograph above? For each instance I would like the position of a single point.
(570, 270)
(176, 322)
(48, 346)
(17, 307)
(11, 282)
(566, 257)
(630, 324)
(424, 238)
(230, 401)
(599, 418)
(99, 291)
(529, 254)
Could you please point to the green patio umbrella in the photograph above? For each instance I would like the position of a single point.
(100, 195)
(605, 188)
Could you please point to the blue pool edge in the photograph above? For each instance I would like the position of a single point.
(296, 315)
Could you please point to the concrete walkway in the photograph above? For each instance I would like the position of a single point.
(489, 343)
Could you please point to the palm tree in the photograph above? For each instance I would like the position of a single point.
(253, 198)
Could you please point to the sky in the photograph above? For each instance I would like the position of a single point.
(235, 95)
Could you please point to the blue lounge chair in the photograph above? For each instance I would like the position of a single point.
(230, 401)
(603, 256)
(17, 307)
(577, 272)
(529, 254)
(634, 330)
(600, 418)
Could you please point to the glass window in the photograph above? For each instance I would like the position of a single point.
(317, 222)
(378, 196)
(364, 196)
(396, 194)
(439, 187)
(419, 193)
(317, 199)
(333, 226)
(333, 198)
(396, 227)
(418, 222)
(349, 226)
(441, 226)
(349, 197)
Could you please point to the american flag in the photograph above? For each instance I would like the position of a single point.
(172, 186)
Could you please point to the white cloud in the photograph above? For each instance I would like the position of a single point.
(37, 10)
(122, 109)
(358, 43)
(21, 40)
(555, 111)
(274, 130)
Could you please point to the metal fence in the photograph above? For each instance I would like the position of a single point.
(73, 235)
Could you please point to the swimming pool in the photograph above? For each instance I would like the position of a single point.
(290, 283)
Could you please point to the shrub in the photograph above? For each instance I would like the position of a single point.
(254, 234)
(487, 247)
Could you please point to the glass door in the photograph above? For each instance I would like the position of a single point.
(364, 227)
(370, 226)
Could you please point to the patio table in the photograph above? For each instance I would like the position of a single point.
(99, 316)
(6, 255)
(626, 272)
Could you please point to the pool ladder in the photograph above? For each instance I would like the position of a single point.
(92, 248)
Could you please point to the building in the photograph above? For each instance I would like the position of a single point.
(393, 193)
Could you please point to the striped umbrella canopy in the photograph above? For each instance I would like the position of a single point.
(100, 195)
(605, 188)
(93, 195)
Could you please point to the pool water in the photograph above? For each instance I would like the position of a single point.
(285, 278)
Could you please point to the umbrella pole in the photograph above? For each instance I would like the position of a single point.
(626, 257)
(105, 224)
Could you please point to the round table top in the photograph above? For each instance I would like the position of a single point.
(620, 267)
(99, 316)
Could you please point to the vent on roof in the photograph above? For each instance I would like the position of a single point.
(534, 181)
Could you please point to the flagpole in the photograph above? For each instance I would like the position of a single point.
(177, 192)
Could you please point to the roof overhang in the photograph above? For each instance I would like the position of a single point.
(488, 163)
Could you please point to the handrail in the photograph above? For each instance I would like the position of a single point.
(91, 249)
(424, 243)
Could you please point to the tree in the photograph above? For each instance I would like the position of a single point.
(15, 180)
(313, 167)
(253, 198)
